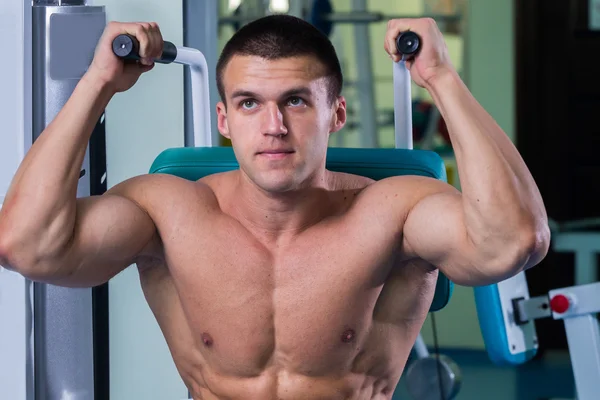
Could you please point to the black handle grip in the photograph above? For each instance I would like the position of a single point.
(408, 44)
(127, 47)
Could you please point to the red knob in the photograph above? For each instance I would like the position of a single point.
(559, 303)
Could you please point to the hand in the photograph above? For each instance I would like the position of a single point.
(113, 71)
(432, 60)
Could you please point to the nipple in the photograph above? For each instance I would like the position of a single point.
(348, 336)
(207, 339)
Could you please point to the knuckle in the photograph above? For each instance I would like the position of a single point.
(113, 26)
(142, 37)
(140, 32)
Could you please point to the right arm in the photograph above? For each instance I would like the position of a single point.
(46, 233)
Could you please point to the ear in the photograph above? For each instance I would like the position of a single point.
(222, 119)
(339, 114)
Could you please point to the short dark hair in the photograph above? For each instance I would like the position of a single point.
(280, 36)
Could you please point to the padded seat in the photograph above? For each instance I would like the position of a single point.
(194, 163)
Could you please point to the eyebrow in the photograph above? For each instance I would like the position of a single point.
(302, 90)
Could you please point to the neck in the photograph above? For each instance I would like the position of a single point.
(277, 216)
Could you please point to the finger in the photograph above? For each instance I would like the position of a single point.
(145, 68)
(153, 51)
(395, 27)
(140, 31)
(151, 48)
(137, 68)
(158, 39)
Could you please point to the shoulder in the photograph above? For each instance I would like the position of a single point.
(394, 197)
(410, 188)
(158, 192)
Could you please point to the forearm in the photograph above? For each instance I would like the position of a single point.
(500, 198)
(39, 210)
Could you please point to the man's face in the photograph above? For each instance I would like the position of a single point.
(278, 118)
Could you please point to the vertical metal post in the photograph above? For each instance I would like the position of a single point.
(402, 106)
(364, 83)
(63, 333)
(200, 31)
(584, 348)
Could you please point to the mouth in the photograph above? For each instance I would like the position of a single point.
(275, 154)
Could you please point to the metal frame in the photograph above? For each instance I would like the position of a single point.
(201, 135)
(204, 37)
(580, 320)
(583, 336)
(581, 326)
(581, 323)
(64, 328)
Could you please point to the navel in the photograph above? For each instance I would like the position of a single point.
(207, 339)
(348, 336)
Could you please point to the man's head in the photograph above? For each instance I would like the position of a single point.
(280, 81)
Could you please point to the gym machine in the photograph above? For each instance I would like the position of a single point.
(507, 313)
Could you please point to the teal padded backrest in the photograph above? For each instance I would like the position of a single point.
(193, 163)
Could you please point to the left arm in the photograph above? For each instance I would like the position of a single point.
(498, 226)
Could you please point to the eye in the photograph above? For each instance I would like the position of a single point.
(248, 104)
(295, 101)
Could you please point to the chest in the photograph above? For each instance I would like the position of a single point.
(312, 280)
(288, 305)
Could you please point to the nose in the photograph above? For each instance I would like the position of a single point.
(273, 123)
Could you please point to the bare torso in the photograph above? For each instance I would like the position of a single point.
(331, 313)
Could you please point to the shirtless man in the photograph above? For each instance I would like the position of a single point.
(281, 280)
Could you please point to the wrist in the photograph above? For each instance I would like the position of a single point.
(95, 82)
(444, 78)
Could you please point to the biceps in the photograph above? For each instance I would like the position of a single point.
(110, 231)
(435, 232)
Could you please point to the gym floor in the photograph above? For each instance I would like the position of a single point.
(550, 378)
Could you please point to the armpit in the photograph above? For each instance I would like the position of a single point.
(145, 263)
